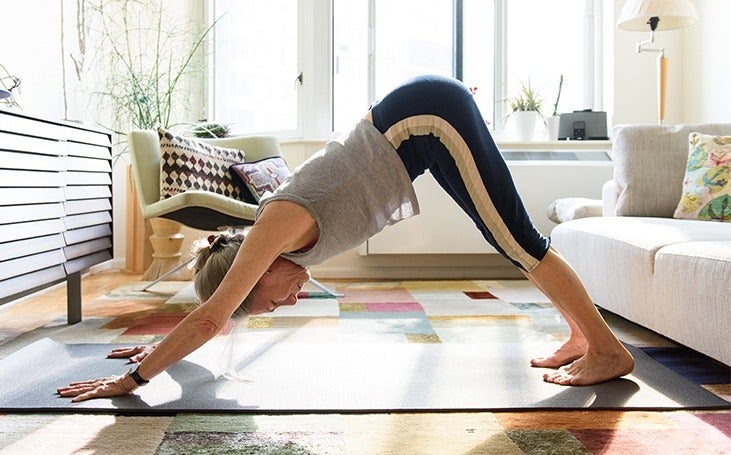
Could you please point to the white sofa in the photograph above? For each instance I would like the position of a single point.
(670, 275)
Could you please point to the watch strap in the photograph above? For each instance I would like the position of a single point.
(135, 375)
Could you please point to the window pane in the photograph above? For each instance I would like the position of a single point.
(255, 65)
(410, 38)
(413, 37)
(545, 40)
(478, 54)
(350, 62)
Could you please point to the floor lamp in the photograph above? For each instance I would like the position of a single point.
(657, 15)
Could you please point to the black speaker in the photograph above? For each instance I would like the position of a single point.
(583, 125)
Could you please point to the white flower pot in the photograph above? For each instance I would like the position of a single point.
(525, 124)
(552, 127)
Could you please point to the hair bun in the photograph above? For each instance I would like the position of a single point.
(215, 242)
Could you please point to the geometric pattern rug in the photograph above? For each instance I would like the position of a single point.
(447, 316)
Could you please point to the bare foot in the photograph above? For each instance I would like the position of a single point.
(593, 368)
(573, 349)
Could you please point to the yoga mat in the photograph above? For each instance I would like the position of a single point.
(345, 377)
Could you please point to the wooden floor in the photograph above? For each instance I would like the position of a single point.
(46, 306)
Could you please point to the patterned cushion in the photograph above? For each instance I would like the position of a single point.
(259, 177)
(187, 164)
(649, 164)
(707, 183)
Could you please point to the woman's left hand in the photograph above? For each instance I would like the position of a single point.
(135, 354)
(113, 386)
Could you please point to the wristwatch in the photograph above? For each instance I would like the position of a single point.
(136, 376)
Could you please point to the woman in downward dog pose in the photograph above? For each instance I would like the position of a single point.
(352, 189)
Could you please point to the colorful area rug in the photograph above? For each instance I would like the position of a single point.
(518, 313)
(389, 350)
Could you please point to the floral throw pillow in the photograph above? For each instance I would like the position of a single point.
(259, 177)
(707, 183)
(187, 164)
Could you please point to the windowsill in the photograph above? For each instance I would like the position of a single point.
(503, 145)
(554, 145)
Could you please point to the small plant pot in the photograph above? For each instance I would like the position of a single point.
(552, 127)
(525, 124)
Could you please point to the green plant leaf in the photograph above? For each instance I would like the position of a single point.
(148, 57)
(527, 100)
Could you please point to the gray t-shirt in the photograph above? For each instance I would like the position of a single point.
(353, 188)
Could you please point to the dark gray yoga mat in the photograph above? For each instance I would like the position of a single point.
(348, 377)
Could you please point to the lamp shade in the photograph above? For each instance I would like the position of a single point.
(672, 14)
(4, 94)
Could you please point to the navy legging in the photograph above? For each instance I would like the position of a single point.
(434, 123)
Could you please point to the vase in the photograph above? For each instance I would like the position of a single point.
(525, 124)
(552, 123)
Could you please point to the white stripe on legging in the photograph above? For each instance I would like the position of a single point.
(420, 125)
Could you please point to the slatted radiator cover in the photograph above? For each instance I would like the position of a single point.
(55, 204)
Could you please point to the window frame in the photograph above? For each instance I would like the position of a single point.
(315, 61)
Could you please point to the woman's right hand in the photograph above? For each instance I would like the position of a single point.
(113, 386)
(134, 353)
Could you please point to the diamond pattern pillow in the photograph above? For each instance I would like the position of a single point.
(187, 164)
(259, 177)
(707, 183)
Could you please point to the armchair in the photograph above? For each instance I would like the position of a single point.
(202, 210)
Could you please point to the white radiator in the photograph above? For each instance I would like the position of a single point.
(541, 178)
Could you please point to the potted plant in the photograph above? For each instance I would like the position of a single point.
(208, 130)
(553, 121)
(149, 69)
(526, 110)
(150, 66)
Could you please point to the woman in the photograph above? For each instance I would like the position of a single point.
(351, 190)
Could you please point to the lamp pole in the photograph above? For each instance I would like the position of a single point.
(662, 66)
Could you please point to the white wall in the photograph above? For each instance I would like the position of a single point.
(699, 82)
(31, 49)
(707, 65)
(31, 37)
(699, 85)
(37, 48)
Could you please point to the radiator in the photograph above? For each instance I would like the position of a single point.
(540, 176)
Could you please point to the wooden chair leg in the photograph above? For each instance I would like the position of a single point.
(166, 240)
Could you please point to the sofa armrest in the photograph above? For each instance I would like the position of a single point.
(609, 198)
(572, 208)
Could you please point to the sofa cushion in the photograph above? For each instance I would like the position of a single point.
(707, 183)
(615, 256)
(648, 234)
(695, 275)
(649, 166)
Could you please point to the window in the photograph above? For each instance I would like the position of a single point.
(255, 65)
(478, 54)
(370, 46)
(543, 42)
(378, 44)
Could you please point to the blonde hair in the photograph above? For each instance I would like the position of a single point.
(213, 260)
